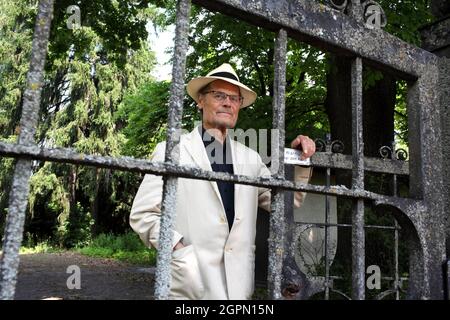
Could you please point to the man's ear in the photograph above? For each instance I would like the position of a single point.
(200, 101)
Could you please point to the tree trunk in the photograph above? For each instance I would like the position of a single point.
(94, 204)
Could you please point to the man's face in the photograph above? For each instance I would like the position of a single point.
(219, 114)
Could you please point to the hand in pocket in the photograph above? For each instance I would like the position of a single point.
(186, 278)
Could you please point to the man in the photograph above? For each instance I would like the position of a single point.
(215, 225)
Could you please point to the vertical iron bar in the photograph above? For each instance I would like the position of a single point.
(358, 245)
(394, 193)
(277, 227)
(168, 207)
(327, 228)
(397, 280)
(18, 197)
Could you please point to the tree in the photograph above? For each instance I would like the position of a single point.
(88, 72)
(16, 31)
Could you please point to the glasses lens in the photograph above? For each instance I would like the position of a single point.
(221, 97)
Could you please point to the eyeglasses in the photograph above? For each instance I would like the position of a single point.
(222, 96)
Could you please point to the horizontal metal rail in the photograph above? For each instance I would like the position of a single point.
(343, 161)
(328, 29)
(345, 225)
(66, 155)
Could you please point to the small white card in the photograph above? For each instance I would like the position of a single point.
(292, 156)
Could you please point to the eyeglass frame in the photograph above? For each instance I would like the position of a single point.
(225, 95)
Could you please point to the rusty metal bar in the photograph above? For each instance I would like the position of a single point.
(168, 206)
(18, 197)
(342, 161)
(319, 159)
(322, 27)
(346, 225)
(67, 155)
(327, 237)
(277, 219)
(396, 233)
(358, 245)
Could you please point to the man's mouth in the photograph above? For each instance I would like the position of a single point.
(223, 112)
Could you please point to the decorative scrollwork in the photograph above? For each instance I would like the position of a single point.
(400, 154)
(373, 14)
(321, 145)
(337, 146)
(327, 145)
(385, 152)
(338, 4)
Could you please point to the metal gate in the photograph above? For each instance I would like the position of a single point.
(421, 216)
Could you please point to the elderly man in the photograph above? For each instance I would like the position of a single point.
(214, 232)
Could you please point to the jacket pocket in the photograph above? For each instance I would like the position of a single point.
(186, 278)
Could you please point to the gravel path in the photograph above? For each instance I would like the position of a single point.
(44, 276)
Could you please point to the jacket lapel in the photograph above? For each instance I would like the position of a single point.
(196, 149)
(237, 168)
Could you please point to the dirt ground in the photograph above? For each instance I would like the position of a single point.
(44, 276)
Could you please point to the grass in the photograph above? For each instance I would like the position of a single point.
(42, 247)
(127, 247)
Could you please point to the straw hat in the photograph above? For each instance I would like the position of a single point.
(224, 72)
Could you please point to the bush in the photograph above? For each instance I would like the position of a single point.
(127, 247)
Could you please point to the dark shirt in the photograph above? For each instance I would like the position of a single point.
(221, 162)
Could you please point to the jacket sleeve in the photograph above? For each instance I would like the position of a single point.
(302, 174)
(145, 215)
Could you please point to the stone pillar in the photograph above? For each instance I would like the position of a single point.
(436, 39)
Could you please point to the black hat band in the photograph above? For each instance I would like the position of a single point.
(224, 75)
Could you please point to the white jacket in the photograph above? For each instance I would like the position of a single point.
(216, 263)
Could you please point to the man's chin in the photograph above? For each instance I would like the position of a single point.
(225, 124)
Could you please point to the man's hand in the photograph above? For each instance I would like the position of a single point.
(306, 144)
(179, 245)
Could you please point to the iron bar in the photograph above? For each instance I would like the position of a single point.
(394, 193)
(358, 245)
(168, 206)
(319, 159)
(18, 197)
(67, 155)
(327, 230)
(277, 219)
(342, 161)
(344, 225)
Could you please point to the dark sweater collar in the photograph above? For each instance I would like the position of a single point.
(208, 139)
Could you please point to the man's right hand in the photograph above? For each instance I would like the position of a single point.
(179, 245)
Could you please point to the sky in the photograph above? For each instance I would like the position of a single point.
(159, 43)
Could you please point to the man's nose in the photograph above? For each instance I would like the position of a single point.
(227, 102)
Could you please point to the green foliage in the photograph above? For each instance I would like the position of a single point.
(78, 110)
(76, 230)
(127, 247)
(216, 39)
(406, 17)
(401, 116)
(16, 30)
(144, 117)
(120, 24)
(41, 247)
